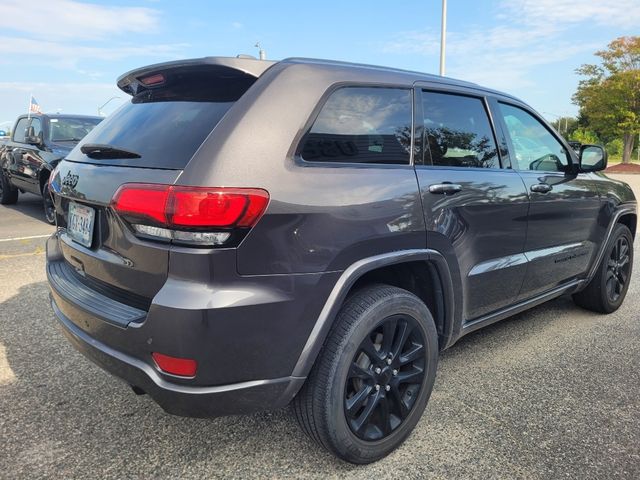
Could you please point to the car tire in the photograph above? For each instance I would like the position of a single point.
(333, 403)
(48, 205)
(607, 289)
(8, 193)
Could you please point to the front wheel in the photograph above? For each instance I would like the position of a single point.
(606, 291)
(8, 193)
(374, 376)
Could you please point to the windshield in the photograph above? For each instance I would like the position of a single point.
(71, 129)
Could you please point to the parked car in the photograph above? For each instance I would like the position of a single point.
(36, 146)
(245, 235)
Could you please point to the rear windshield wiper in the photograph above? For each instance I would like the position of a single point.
(98, 150)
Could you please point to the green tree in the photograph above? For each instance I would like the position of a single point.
(565, 126)
(584, 136)
(609, 96)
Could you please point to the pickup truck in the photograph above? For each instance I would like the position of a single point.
(38, 142)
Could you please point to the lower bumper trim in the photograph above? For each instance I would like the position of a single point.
(184, 400)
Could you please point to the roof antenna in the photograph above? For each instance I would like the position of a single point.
(261, 53)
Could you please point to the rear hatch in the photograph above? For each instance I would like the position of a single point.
(149, 140)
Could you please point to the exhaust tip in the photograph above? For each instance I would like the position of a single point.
(138, 390)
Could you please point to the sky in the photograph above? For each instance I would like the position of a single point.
(69, 53)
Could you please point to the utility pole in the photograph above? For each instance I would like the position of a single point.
(443, 38)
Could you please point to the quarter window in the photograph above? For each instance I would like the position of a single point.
(458, 132)
(362, 125)
(534, 146)
(20, 133)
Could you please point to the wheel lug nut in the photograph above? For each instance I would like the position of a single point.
(378, 370)
(388, 361)
(395, 372)
(387, 387)
(377, 387)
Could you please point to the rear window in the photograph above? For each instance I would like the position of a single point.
(361, 125)
(166, 125)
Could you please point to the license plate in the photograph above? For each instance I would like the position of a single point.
(80, 224)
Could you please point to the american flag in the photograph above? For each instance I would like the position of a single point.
(33, 106)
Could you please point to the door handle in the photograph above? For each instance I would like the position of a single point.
(445, 188)
(541, 188)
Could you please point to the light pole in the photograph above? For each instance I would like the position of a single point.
(443, 37)
(104, 105)
(261, 53)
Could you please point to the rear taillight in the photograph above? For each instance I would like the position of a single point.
(190, 215)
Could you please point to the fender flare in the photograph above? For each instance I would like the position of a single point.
(349, 277)
(623, 209)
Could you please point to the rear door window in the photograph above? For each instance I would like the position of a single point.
(458, 132)
(369, 125)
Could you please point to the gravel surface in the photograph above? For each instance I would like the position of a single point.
(553, 392)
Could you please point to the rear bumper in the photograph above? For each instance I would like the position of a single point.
(246, 333)
(184, 400)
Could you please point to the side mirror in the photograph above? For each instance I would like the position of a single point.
(593, 158)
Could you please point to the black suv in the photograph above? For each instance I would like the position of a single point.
(38, 143)
(244, 235)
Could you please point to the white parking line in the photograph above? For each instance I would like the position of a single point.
(24, 238)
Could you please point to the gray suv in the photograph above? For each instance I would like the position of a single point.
(246, 235)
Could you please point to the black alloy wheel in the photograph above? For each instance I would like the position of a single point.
(607, 289)
(618, 268)
(385, 377)
(372, 380)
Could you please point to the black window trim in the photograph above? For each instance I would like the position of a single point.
(534, 114)
(503, 160)
(299, 139)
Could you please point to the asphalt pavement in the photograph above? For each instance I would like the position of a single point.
(550, 393)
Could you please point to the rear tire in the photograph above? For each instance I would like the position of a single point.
(8, 193)
(373, 378)
(49, 206)
(607, 289)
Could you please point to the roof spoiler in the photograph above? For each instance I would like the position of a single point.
(132, 84)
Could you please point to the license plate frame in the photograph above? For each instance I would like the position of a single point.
(80, 223)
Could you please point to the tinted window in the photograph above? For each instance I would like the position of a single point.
(458, 132)
(21, 130)
(534, 146)
(165, 125)
(70, 129)
(362, 125)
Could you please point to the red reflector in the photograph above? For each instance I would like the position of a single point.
(199, 207)
(151, 80)
(184, 367)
